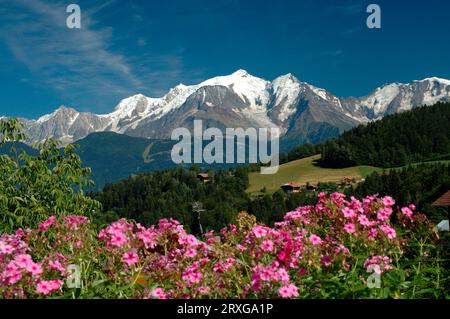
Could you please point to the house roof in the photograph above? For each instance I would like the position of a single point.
(444, 200)
(291, 184)
(204, 175)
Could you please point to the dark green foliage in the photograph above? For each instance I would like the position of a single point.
(149, 197)
(171, 193)
(421, 134)
(299, 152)
(35, 185)
(419, 184)
(113, 157)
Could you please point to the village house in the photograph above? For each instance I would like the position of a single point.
(204, 177)
(444, 201)
(291, 187)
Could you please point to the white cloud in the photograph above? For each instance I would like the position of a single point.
(80, 63)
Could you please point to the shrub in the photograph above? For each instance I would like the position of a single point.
(320, 251)
(33, 187)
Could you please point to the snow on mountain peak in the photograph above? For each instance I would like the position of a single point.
(60, 110)
(435, 79)
(128, 105)
(241, 73)
(266, 103)
(379, 100)
(251, 89)
(286, 89)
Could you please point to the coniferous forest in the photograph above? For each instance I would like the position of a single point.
(422, 134)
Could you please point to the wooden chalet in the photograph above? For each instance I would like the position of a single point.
(204, 177)
(291, 187)
(443, 201)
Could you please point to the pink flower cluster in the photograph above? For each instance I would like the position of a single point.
(378, 264)
(245, 260)
(21, 275)
(17, 266)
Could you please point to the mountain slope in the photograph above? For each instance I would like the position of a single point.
(113, 156)
(417, 135)
(302, 112)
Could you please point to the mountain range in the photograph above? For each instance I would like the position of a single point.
(303, 112)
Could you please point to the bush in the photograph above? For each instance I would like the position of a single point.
(34, 187)
(338, 248)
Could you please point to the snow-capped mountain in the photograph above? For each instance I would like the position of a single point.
(303, 112)
(397, 97)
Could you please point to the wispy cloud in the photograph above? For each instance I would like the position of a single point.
(81, 64)
(348, 8)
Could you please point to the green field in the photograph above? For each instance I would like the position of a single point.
(421, 163)
(303, 171)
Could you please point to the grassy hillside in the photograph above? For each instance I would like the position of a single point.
(303, 171)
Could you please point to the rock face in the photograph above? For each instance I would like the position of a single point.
(302, 112)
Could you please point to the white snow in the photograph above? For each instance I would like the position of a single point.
(249, 88)
(436, 79)
(257, 93)
(287, 90)
(436, 93)
(319, 92)
(382, 97)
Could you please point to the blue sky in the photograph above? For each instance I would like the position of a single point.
(128, 47)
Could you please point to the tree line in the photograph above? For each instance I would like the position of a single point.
(421, 134)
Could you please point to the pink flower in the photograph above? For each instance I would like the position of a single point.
(12, 273)
(46, 224)
(348, 212)
(118, 239)
(191, 275)
(6, 249)
(388, 231)
(34, 268)
(388, 201)
(373, 233)
(195, 277)
(288, 291)
(378, 264)
(130, 258)
(191, 240)
(147, 237)
(45, 287)
(384, 214)
(283, 275)
(350, 228)
(20, 233)
(74, 221)
(203, 290)
(326, 261)
(407, 212)
(56, 265)
(267, 245)
(191, 253)
(315, 240)
(23, 260)
(259, 231)
(363, 220)
(159, 293)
